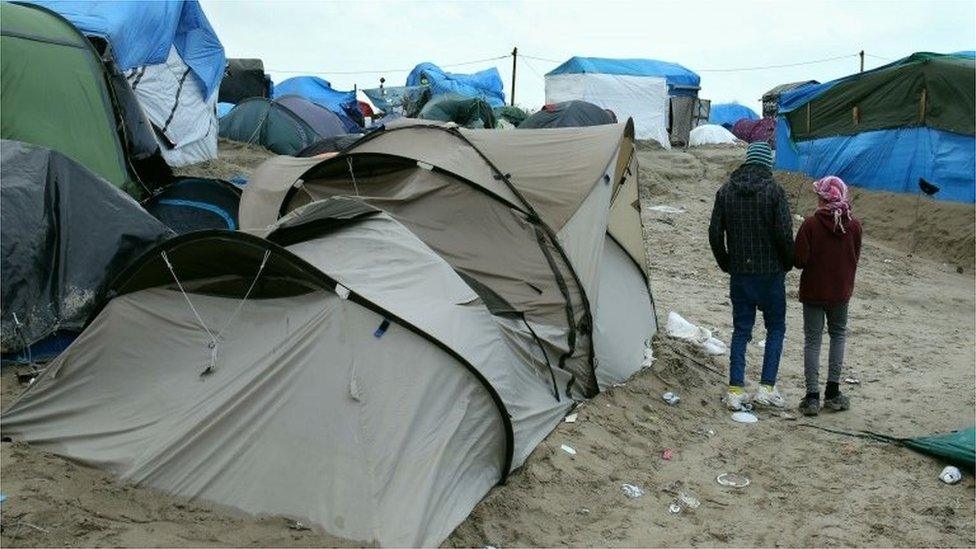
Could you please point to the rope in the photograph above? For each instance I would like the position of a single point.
(352, 174)
(20, 331)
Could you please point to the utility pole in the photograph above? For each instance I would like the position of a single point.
(514, 60)
(862, 60)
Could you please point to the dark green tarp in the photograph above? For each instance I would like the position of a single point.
(957, 447)
(53, 93)
(468, 112)
(511, 113)
(924, 89)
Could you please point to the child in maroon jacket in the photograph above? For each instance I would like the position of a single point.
(828, 247)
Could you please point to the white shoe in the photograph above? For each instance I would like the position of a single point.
(768, 395)
(736, 398)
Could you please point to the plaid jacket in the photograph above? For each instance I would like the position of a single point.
(751, 231)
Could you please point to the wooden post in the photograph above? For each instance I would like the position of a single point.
(921, 107)
(514, 60)
(862, 60)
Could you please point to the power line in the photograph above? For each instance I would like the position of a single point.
(460, 64)
(540, 58)
(878, 57)
(740, 69)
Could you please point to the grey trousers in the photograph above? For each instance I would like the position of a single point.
(813, 325)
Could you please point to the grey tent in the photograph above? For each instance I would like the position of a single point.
(66, 232)
(243, 79)
(285, 125)
(568, 114)
(469, 112)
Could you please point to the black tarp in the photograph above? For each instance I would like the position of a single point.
(244, 78)
(66, 233)
(195, 204)
(570, 114)
(469, 112)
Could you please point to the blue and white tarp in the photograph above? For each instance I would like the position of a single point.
(320, 92)
(681, 80)
(486, 85)
(884, 160)
(727, 114)
(141, 33)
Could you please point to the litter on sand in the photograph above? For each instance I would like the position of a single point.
(733, 480)
(671, 398)
(950, 475)
(744, 417)
(852, 380)
(666, 209)
(667, 454)
(632, 491)
(685, 500)
(568, 449)
(571, 418)
(296, 525)
(680, 328)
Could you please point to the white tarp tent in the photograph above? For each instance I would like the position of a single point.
(710, 134)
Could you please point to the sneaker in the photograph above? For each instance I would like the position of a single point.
(769, 396)
(837, 404)
(736, 398)
(810, 406)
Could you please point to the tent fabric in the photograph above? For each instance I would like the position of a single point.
(55, 94)
(485, 85)
(285, 125)
(324, 122)
(641, 98)
(143, 32)
(406, 100)
(511, 114)
(771, 99)
(342, 103)
(727, 114)
(66, 233)
(927, 89)
(224, 108)
(463, 111)
(332, 144)
(267, 188)
(957, 447)
(195, 204)
(710, 134)
(244, 78)
(568, 114)
(681, 81)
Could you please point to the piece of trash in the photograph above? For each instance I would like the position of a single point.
(680, 328)
(688, 500)
(852, 380)
(950, 475)
(648, 358)
(733, 480)
(707, 432)
(568, 449)
(787, 416)
(744, 417)
(667, 454)
(887, 261)
(631, 491)
(571, 418)
(674, 508)
(671, 398)
(296, 525)
(582, 511)
(666, 209)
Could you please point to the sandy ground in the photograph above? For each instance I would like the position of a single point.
(911, 345)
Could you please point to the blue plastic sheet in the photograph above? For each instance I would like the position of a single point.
(486, 85)
(224, 108)
(320, 92)
(727, 114)
(142, 32)
(681, 81)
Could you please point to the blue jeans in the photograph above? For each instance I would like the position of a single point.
(748, 292)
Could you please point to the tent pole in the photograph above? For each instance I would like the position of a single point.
(514, 60)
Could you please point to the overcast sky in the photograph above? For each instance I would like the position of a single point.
(337, 37)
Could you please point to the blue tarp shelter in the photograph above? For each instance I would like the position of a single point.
(888, 158)
(681, 81)
(320, 92)
(485, 85)
(727, 114)
(141, 33)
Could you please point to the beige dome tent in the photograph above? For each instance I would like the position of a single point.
(373, 364)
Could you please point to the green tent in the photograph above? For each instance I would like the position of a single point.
(957, 447)
(54, 93)
(468, 112)
(924, 89)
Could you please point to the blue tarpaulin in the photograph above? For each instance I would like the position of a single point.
(485, 85)
(727, 114)
(885, 160)
(681, 81)
(142, 32)
(320, 92)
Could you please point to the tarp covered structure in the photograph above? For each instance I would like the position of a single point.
(770, 99)
(710, 134)
(569, 114)
(284, 125)
(886, 128)
(195, 204)
(244, 78)
(342, 103)
(631, 88)
(66, 233)
(468, 112)
(727, 114)
(485, 85)
(173, 61)
(406, 100)
(58, 93)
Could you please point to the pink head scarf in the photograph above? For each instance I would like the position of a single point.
(833, 191)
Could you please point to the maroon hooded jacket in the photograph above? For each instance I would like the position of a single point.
(828, 257)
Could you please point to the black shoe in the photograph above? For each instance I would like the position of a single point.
(810, 406)
(838, 403)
